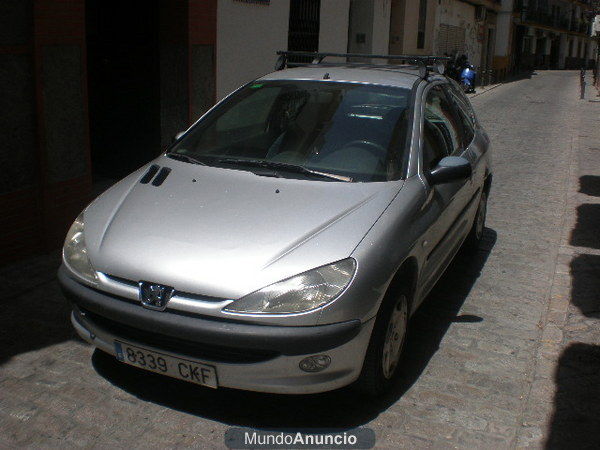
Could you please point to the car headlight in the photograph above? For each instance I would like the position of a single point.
(75, 252)
(303, 292)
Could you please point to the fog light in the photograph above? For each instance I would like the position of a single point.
(315, 363)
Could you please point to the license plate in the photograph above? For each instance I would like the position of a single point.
(172, 366)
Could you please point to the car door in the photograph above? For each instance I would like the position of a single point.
(441, 136)
(472, 151)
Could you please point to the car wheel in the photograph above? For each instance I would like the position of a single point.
(476, 234)
(385, 348)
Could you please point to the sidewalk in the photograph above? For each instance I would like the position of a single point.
(562, 408)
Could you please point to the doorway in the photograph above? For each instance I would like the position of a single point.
(304, 23)
(554, 53)
(490, 44)
(123, 85)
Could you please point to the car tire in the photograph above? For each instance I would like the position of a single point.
(476, 233)
(385, 347)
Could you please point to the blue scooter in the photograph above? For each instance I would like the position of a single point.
(467, 79)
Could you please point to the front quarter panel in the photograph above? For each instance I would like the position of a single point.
(392, 239)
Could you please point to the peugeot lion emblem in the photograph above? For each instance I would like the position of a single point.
(155, 296)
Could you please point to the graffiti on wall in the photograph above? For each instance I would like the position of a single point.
(458, 32)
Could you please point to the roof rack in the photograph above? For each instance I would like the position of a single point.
(426, 63)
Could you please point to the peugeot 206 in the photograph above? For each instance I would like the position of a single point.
(282, 242)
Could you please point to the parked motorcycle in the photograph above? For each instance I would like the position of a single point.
(452, 69)
(467, 78)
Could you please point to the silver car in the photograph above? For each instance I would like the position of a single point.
(283, 241)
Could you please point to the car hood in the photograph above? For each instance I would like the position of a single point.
(224, 232)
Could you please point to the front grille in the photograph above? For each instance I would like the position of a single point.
(179, 346)
(186, 295)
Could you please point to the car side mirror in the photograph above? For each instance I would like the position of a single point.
(178, 136)
(450, 168)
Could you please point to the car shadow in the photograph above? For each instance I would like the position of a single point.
(342, 408)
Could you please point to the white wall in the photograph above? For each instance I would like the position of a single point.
(248, 35)
(333, 30)
(504, 29)
(361, 22)
(371, 18)
(381, 27)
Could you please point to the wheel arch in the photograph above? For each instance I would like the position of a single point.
(406, 277)
(487, 184)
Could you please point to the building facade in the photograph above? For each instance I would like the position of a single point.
(469, 28)
(93, 89)
(445, 27)
(412, 27)
(546, 34)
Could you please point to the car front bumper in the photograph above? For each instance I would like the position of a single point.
(246, 356)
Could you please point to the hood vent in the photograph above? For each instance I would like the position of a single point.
(160, 178)
(149, 174)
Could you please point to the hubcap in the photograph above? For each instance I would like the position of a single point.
(394, 338)
(481, 217)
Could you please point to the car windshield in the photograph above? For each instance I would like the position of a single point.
(353, 131)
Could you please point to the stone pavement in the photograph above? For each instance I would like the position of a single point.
(504, 353)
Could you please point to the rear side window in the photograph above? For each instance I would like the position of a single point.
(441, 128)
(465, 117)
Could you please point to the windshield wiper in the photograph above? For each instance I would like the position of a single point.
(186, 158)
(284, 167)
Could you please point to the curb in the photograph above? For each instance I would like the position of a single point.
(487, 90)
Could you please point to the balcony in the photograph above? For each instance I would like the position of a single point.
(493, 5)
(574, 26)
(585, 28)
(580, 26)
(543, 17)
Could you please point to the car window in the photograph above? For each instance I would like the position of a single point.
(351, 129)
(465, 102)
(253, 111)
(441, 135)
(465, 117)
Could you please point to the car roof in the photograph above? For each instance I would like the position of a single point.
(388, 75)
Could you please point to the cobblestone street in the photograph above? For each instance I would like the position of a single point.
(505, 353)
